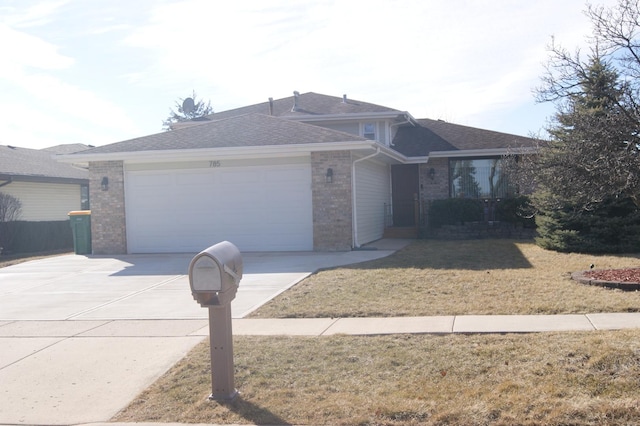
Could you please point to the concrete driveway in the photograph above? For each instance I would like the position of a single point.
(81, 336)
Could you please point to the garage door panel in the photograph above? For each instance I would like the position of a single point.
(154, 179)
(194, 179)
(238, 178)
(257, 208)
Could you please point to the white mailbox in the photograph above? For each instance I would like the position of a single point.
(215, 273)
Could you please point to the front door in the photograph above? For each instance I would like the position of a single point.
(405, 189)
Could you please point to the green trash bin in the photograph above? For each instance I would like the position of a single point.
(81, 226)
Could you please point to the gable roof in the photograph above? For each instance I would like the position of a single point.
(24, 164)
(434, 137)
(68, 148)
(250, 130)
(306, 106)
(287, 124)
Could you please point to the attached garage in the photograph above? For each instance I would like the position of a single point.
(257, 207)
(261, 182)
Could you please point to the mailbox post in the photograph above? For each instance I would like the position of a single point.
(214, 276)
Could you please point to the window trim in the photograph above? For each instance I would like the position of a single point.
(460, 159)
(364, 133)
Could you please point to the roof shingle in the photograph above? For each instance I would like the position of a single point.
(34, 163)
(237, 131)
(437, 135)
(308, 104)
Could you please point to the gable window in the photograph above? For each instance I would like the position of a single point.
(369, 131)
(478, 178)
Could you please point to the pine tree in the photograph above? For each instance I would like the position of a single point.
(186, 109)
(575, 197)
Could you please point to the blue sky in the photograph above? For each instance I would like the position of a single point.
(102, 71)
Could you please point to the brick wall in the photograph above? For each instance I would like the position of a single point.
(108, 229)
(438, 187)
(332, 212)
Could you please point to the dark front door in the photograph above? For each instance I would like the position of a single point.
(404, 187)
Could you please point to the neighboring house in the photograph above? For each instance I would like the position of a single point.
(308, 172)
(47, 189)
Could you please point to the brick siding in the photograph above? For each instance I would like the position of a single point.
(332, 210)
(108, 229)
(438, 187)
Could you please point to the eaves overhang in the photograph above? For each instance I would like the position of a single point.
(266, 151)
(42, 179)
(492, 152)
(416, 160)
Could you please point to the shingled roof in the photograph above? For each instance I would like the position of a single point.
(68, 148)
(238, 131)
(24, 164)
(284, 122)
(432, 136)
(306, 105)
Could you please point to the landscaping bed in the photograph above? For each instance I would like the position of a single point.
(627, 279)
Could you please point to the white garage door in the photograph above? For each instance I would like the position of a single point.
(261, 208)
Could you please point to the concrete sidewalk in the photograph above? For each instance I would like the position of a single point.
(435, 325)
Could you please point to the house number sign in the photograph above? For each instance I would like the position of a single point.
(215, 163)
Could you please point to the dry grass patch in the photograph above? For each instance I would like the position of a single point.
(9, 260)
(480, 277)
(580, 378)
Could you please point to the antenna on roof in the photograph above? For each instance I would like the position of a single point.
(188, 105)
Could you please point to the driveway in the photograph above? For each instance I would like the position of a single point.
(83, 335)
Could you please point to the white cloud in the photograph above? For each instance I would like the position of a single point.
(26, 50)
(42, 103)
(471, 56)
(31, 15)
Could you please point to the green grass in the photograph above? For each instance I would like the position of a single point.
(478, 277)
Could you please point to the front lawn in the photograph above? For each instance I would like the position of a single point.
(478, 277)
(576, 378)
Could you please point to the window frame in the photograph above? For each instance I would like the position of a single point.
(504, 189)
(85, 201)
(364, 133)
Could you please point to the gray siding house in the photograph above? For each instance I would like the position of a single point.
(307, 172)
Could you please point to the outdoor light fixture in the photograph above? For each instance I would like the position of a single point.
(329, 175)
(105, 184)
(432, 173)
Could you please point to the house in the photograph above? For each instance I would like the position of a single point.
(307, 172)
(47, 189)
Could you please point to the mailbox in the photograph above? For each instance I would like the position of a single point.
(215, 273)
(214, 277)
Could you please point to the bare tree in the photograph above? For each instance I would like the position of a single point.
(594, 150)
(10, 208)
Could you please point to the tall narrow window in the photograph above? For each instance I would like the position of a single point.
(84, 197)
(369, 131)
